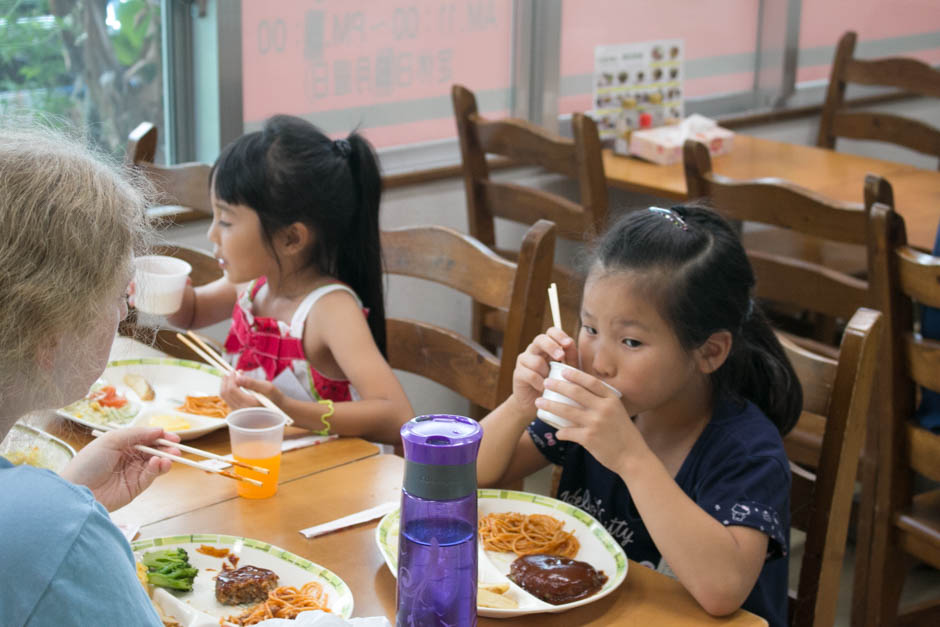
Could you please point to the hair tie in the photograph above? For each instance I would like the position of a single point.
(343, 147)
(671, 216)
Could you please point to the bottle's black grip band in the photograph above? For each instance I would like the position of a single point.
(440, 483)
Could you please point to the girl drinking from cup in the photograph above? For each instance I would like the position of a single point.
(296, 231)
(687, 470)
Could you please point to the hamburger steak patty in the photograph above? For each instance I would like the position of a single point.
(248, 584)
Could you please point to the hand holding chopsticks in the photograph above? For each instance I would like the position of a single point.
(187, 462)
(214, 359)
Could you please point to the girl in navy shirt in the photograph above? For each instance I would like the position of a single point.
(687, 471)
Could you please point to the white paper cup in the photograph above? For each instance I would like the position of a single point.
(159, 284)
(555, 370)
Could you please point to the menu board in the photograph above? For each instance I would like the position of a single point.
(636, 86)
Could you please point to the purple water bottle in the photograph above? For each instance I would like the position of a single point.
(437, 542)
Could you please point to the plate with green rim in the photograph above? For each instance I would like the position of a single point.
(598, 548)
(171, 380)
(199, 607)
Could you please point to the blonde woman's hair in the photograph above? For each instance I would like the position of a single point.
(70, 224)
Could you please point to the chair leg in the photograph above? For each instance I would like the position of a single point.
(864, 535)
(885, 584)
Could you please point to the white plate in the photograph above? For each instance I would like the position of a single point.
(598, 548)
(199, 608)
(29, 445)
(172, 380)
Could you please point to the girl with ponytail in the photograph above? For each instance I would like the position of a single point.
(687, 470)
(295, 228)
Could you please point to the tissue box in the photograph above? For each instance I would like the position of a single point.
(663, 145)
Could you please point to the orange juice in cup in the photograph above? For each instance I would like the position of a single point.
(269, 481)
(256, 434)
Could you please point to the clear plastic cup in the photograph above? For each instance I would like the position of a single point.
(555, 370)
(256, 434)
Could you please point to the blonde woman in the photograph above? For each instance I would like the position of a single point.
(69, 226)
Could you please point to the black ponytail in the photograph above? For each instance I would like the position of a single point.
(703, 283)
(291, 172)
(359, 262)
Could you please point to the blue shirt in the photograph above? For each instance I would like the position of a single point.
(737, 471)
(63, 560)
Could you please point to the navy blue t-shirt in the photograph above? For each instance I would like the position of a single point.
(737, 471)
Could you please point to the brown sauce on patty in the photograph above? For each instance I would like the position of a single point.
(554, 579)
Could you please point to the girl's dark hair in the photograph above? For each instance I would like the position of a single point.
(288, 172)
(702, 282)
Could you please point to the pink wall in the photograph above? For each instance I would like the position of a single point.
(711, 28)
(305, 56)
(822, 22)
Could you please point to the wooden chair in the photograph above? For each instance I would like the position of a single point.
(837, 393)
(185, 185)
(791, 260)
(910, 75)
(526, 144)
(905, 524)
(461, 262)
(205, 270)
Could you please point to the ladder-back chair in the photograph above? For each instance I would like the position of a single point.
(185, 185)
(910, 75)
(905, 520)
(459, 261)
(838, 393)
(528, 145)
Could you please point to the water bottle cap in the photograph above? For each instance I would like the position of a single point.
(441, 440)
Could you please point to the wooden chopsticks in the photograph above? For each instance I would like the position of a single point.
(187, 462)
(213, 359)
(208, 455)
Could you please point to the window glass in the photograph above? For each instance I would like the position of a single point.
(719, 42)
(385, 67)
(909, 28)
(97, 65)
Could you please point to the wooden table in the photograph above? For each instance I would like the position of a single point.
(185, 489)
(645, 598)
(837, 175)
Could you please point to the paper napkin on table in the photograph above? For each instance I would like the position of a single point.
(348, 521)
(287, 445)
(317, 618)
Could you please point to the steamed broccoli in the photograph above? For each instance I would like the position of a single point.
(169, 568)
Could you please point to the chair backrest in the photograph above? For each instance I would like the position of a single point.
(912, 278)
(793, 271)
(205, 270)
(911, 75)
(838, 393)
(898, 519)
(526, 144)
(462, 263)
(185, 185)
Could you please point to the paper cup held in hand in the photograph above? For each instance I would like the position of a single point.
(159, 283)
(555, 370)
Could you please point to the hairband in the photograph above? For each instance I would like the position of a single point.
(342, 147)
(672, 216)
